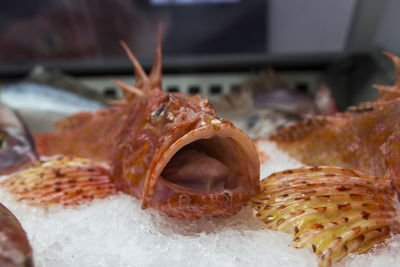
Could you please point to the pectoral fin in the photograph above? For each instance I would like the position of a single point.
(61, 180)
(333, 210)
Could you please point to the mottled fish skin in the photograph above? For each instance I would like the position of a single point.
(16, 144)
(335, 211)
(143, 133)
(364, 138)
(15, 250)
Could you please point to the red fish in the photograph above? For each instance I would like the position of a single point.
(339, 211)
(167, 149)
(14, 246)
(365, 138)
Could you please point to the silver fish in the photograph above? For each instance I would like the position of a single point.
(16, 144)
(35, 102)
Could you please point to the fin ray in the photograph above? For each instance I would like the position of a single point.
(140, 74)
(336, 211)
(156, 70)
(61, 180)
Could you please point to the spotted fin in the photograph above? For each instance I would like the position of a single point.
(333, 210)
(61, 180)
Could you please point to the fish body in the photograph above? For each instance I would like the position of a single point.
(33, 101)
(168, 149)
(364, 138)
(16, 143)
(267, 105)
(347, 202)
(15, 250)
(33, 96)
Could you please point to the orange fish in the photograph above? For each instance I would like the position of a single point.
(334, 210)
(364, 138)
(169, 150)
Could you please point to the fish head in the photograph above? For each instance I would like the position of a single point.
(176, 155)
(16, 143)
(179, 157)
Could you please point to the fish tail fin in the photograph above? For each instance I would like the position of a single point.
(61, 180)
(333, 210)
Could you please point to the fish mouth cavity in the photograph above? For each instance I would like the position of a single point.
(210, 160)
(204, 166)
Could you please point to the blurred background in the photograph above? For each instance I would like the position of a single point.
(245, 55)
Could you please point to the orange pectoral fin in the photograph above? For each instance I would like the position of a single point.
(61, 180)
(335, 211)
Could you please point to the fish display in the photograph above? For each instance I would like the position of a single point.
(169, 150)
(333, 210)
(364, 138)
(351, 206)
(35, 101)
(15, 250)
(16, 143)
(265, 103)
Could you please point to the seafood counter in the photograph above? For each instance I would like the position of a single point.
(160, 178)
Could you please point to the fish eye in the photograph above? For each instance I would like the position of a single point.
(3, 140)
(160, 111)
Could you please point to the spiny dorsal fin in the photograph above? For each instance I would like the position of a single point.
(299, 130)
(156, 71)
(61, 180)
(333, 210)
(396, 62)
(117, 102)
(128, 90)
(143, 83)
(140, 75)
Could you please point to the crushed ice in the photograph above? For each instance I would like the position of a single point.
(117, 232)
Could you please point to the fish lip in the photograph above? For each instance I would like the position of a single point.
(216, 128)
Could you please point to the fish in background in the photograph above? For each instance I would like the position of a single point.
(15, 250)
(169, 150)
(17, 148)
(17, 151)
(51, 95)
(77, 29)
(347, 202)
(265, 104)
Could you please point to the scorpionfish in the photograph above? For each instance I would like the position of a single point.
(350, 203)
(169, 150)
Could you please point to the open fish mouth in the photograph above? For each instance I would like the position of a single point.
(210, 170)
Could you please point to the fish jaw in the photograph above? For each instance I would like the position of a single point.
(192, 206)
(228, 145)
